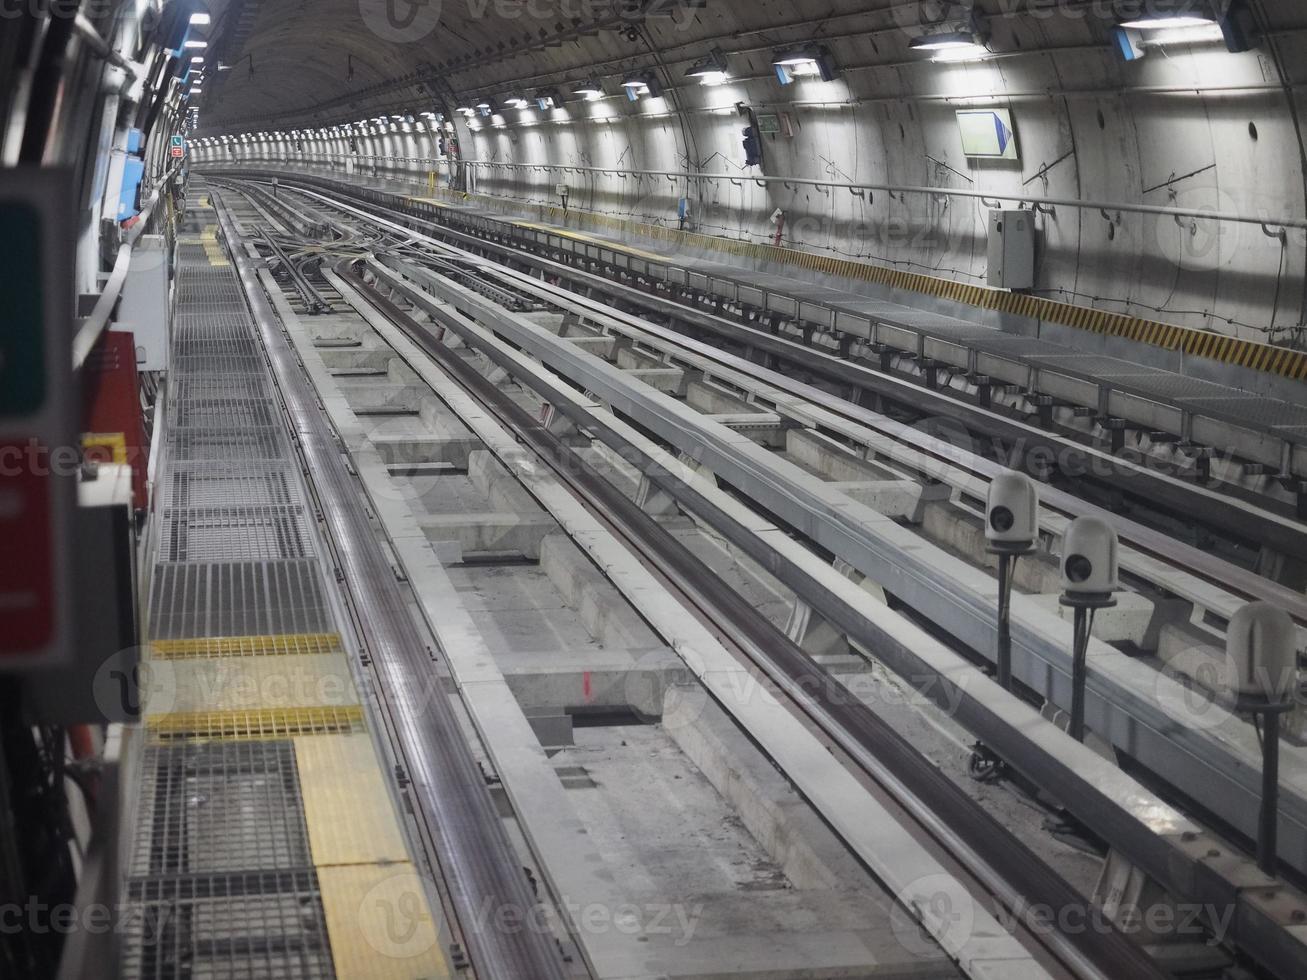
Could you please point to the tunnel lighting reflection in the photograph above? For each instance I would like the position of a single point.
(949, 41)
(1204, 34)
(962, 52)
(810, 60)
(711, 70)
(1168, 22)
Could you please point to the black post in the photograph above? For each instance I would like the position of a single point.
(1005, 621)
(1078, 665)
(1266, 843)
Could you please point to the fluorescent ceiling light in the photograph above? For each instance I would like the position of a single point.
(949, 41)
(1203, 34)
(711, 70)
(200, 18)
(197, 44)
(197, 60)
(1164, 22)
(807, 61)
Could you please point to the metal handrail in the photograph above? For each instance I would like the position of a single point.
(1045, 204)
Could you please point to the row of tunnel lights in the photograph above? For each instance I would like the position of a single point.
(808, 61)
(815, 61)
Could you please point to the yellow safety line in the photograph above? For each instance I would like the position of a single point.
(1191, 340)
(245, 646)
(380, 924)
(254, 724)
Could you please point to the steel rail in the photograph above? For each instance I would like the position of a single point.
(1190, 500)
(1130, 820)
(1213, 568)
(1132, 704)
(309, 295)
(1013, 873)
(1193, 865)
(483, 872)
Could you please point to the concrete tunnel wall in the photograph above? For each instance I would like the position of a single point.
(1103, 129)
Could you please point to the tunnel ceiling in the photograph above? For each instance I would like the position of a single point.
(313, 61)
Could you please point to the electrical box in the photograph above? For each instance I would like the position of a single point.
(103, 681)
(143, 309)
(1011, 249)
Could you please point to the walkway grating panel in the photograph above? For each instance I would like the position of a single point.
(220, 805)
(242, 926)
(250, 598)
(255, 724)
(219, 483)
(209, 443)
(217, 647)
(225, 412)
(213, 534)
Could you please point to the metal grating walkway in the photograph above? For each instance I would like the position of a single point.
(233, 837)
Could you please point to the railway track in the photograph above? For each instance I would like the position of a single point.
(474, 286)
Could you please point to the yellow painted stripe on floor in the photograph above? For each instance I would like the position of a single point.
(379, 923)
(209, 239)
(347, 806)
(261, 724)
(313, 680)
(245, 646)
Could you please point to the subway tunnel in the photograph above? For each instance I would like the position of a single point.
(653, 489)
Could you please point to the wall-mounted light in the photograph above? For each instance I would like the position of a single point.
(807, 61)
(591, 90)
(643, 83)
(711, 70)
(517, 102)
(951, 45)
(548, 98)
(1183, 22)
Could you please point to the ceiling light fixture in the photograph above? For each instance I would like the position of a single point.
(200, 19)
(643, 83)
(711, 70)
(591, 90)
(806, 61)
